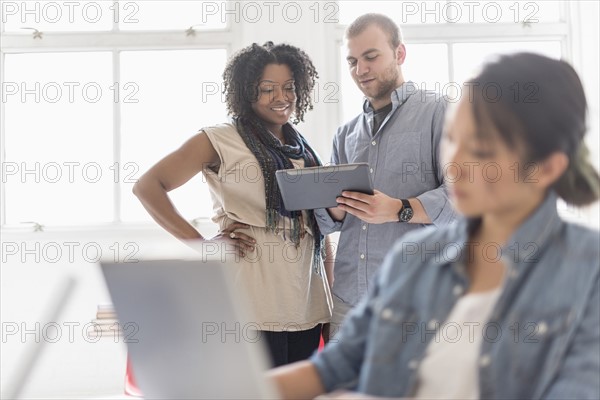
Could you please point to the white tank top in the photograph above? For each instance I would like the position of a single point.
(450, 369)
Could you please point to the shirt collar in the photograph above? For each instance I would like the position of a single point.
(534, 234)
(526, 244)
(399, 96)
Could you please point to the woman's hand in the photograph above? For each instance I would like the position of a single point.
(240, 240)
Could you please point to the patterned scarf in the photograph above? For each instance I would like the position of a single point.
(272, 155)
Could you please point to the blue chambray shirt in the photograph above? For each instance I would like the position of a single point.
(547, 320)
(403, 157)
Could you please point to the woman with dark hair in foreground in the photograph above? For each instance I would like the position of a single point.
(505, 304)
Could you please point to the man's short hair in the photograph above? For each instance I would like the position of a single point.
(384, 23)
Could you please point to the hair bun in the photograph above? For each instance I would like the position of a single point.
(580, 184)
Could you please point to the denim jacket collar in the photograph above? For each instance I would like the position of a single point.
(399, 96)
(534, 232)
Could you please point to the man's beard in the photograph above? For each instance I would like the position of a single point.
(388, 83)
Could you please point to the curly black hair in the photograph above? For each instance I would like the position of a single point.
(244, 69)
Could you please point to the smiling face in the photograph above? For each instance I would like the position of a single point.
(374, 65)
(276, 97)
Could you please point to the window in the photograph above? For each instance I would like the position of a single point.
(427, 66)
(103, 92)
(52, 16)
(454, 12)
(446, 40)
(95, 92)
(58, 145)
(166, 116)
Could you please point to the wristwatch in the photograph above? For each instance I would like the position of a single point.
(406, 212)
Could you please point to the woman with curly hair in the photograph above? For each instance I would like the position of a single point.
(277, 254)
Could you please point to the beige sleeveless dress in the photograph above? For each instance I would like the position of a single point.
(285, 290)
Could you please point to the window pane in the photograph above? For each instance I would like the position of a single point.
(402, 12)
(425, 64)
(468, 57)
(501, 11)
(65, 16)
(177, 93)
(436, 12)
(175, 15)
(58, 138)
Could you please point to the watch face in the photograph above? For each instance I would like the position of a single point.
(406, 214)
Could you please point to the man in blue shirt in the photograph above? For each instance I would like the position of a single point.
(398, 135)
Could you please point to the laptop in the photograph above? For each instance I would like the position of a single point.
(187, 333)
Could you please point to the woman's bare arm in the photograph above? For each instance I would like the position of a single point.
(169, 173)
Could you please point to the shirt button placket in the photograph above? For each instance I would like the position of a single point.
(457, 290)
(485, 361)
(432, 324)
(387, 313)
(363, 243)
(413, 364)
(542, 328)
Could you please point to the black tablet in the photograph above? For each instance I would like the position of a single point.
(318, 187)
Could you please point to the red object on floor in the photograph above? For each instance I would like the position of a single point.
(131, 388)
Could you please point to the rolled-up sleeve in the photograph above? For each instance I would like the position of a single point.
(438, 206)
(326, 224)
(339, 364)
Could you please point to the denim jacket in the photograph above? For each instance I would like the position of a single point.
(544, 340)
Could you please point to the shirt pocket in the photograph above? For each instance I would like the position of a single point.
(535, 339)
(392, 330)
(403, 153)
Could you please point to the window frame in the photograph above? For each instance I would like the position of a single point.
(447, 33)
(114, 41)
(232, 37)
(454, 33)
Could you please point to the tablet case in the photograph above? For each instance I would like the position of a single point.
(318, 187)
